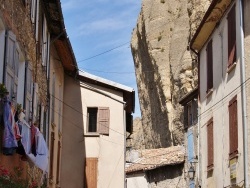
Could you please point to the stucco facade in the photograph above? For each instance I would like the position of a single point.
(221, 127)
(81, 146)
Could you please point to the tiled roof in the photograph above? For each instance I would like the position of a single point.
(155, 158)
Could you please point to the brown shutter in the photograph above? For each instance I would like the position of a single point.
(52, 140)
(233, 127)
(103, 120)
(231, 37)
(58, 162)
(91, 172)
(210, 144)
(209, 65)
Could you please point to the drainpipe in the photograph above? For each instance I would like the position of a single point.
(243, 96)
(124, 124)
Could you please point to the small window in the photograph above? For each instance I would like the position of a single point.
(231, 22)
(191, 113)
(233, 127)
(209, 66)
(98, 120)
(92, 117)
(210, 145)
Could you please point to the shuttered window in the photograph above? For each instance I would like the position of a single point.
(190, 113)
(103, 120)
(52, 142)
(58, 162)
(28, 92)
(209, 66)
(98, 120)
(210, 144)
(231, 36)
(91, 167)
(12, 65)
(233, 127)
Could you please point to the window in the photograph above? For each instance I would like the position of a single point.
(233, 127)
(91, 167)
(231, 23)
(52, 141)
(45, 43)
(12, 61)
(28, 92)
(53, 98)
(209, 66)
(210, 145)
(190, 113)
(60, 109)
(33, 11)
(58, 162)
(98, 120)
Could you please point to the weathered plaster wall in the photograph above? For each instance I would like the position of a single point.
(165, 68)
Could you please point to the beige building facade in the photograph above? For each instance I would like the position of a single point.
(94, 148)
(222, 46)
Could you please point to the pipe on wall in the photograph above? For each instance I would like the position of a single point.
(243, 96)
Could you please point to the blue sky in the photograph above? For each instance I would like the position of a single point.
(97, 26)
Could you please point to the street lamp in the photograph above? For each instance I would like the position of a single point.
(191, 172)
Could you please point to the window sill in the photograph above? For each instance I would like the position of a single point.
(91, 134)
(231, 67)
(209, 92)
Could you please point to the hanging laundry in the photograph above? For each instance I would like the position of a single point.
(9, 140)
(41, 158)
(25, 143)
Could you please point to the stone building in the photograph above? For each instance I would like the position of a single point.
(35, 53)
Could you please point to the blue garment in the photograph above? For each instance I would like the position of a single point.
(9, 139)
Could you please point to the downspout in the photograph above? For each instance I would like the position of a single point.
(124, 124)
(199, 119)
(243, 96)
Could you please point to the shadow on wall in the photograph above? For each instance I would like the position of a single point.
(170, 175)
(154, 120)
(73, 147)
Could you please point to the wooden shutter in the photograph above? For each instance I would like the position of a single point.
(58, 162)
(210, 144)
(91, 167)
(44, 41)
(209, 65)
(103, 120)
(231, 36)
(52, 140)
(190, 139)
(233, 127)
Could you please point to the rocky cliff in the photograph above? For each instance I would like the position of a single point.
(165, 67)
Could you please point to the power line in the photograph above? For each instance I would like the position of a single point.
(91, 57)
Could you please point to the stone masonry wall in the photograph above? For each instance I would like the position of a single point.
(16, 17)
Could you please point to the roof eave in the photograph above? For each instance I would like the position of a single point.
(209, 22)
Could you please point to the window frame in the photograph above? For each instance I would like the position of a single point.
(102, 120)
(233, 127)
(209, 65)
(210, 145)
(231, 25)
